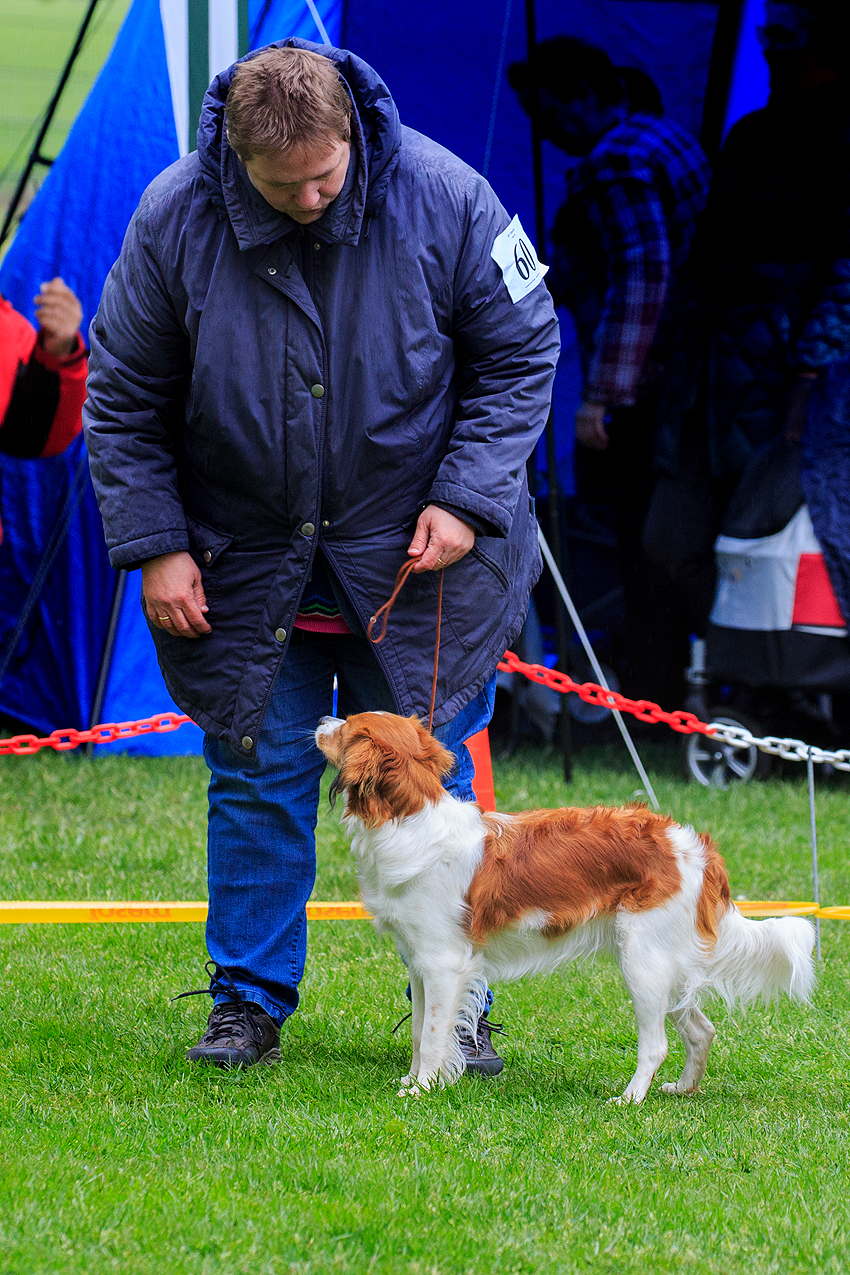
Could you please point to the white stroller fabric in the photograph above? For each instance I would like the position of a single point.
(757, 579)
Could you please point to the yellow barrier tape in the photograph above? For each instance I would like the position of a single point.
(17, 913)
(771, 907)
(65, 913)
(841, 913)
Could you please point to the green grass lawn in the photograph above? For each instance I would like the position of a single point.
(115, 1155)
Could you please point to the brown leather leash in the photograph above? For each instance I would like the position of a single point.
(383, 613)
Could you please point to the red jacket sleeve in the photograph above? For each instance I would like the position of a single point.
(72, 370)
(43, 416)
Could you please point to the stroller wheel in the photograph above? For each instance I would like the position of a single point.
(717, 765)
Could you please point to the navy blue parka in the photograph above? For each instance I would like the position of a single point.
(260, 388)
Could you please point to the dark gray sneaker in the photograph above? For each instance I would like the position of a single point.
(239, 1033)
(479, 1055)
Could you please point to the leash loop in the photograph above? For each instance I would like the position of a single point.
(383, 614)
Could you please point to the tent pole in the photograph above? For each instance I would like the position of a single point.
(108, 652)
(561, 627)
(730, 14)
(36, 156)
(243, 41)
(259, 24)
(595, 665)
(810, 769)
(57, 538)
(536, 140)
(554, 502)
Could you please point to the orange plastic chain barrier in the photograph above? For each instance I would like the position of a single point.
(643, 709)
(63, 740)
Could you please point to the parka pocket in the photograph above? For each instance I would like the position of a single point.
(206, 545)
(476, 592)
(489, 563)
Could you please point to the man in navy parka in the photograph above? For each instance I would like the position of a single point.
(306, 364)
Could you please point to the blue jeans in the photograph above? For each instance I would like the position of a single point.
(262, 812)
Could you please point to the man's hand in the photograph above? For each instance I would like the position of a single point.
(440, 538)
(590, 426)
(174, 595)
(59, 314)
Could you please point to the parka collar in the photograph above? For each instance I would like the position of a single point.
(375, 143)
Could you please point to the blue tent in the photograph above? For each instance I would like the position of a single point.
(134, 123)
(84, 649)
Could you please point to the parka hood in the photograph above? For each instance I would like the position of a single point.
(375, 144)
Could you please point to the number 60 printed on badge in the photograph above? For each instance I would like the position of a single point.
(514, 254)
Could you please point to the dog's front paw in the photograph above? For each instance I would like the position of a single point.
(674, 1087)
(622, 1100)
(411, 1089)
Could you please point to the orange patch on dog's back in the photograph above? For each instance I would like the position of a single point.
(571, 864)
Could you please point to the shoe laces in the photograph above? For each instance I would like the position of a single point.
(483, 1024)
(225, 1016)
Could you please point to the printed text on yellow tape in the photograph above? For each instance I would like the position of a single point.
(89, 911)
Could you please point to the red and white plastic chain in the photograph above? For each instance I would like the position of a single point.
(681, 721)
(644, 710)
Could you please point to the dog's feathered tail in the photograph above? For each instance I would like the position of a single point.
(752, 959)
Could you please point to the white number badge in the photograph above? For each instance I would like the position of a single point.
(513, 253)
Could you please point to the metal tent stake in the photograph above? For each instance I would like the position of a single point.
(594, 663)
(810, 770)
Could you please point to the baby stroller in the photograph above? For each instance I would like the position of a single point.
(775, 659)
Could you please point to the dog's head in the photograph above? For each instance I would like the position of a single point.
(389, 766)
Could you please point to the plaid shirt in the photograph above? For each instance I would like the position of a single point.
(621, 237)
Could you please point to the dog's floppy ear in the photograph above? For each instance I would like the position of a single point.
(359, 778)
(431, 750)
(391, 768)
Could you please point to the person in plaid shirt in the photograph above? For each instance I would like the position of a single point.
(621, 238)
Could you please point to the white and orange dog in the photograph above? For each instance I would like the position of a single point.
(472, 898)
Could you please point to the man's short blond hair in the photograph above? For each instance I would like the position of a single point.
(285, 98)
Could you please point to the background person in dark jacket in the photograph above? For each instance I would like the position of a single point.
(764, 340)
(621, 239)
(314, 357)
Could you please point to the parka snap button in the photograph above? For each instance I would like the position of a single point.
(307, 528)
(207, 556)
(280, 635)
(272, 270)
(247, 743)
(326, 522)
(317, 246)
(318, 391)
